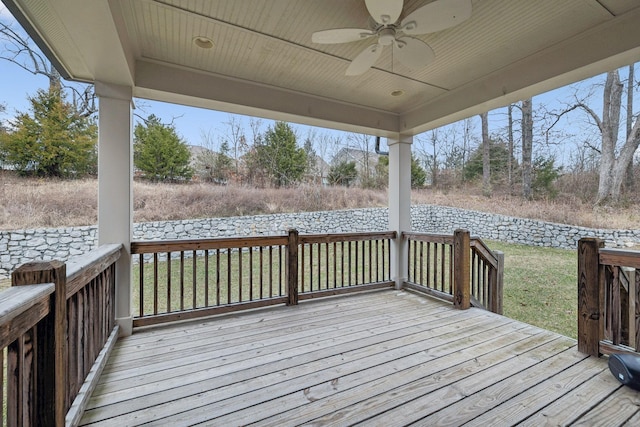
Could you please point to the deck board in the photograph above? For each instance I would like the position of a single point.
(375, 358)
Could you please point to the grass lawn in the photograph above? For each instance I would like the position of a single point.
(540, 286)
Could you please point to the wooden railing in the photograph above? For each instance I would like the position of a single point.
(456, 268)
(331, 264)
(56, 321)
(185, 279)
(608, 299)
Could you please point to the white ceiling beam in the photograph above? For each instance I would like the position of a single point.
(182, 86)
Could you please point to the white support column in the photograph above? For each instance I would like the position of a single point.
(115, 188)
(399, 203)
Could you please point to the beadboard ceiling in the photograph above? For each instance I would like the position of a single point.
(264, 62)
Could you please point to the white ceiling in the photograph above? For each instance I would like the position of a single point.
(265, 64)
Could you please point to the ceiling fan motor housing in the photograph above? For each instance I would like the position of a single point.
(386, 36)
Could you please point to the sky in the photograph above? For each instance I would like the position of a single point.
(16, 84)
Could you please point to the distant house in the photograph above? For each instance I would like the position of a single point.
(318, 170)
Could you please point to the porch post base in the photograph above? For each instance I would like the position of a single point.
(126, 326)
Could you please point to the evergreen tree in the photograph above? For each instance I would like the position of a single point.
(159, 152)
(418, 174)
(343, 173)
(545, 174)
(279, 156)
(52, 141)
(498, 156)
(382, 172)
(214, 166)
(222, 164)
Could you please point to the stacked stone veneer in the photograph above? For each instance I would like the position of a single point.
(18, 247)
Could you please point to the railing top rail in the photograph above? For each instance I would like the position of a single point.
(620, 257)
(346, 237)
(17, 301)
(82, 269)
(428, 237)
(158, 246)
(483, 250)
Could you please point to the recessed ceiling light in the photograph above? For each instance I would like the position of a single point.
(203, 42)
(397, 93)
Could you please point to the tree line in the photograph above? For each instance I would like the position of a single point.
(57, 138)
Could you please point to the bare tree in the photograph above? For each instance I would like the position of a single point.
(630, 181)
(364, 156)
(612, 168)
(326, 147)
(20, 50)
(486, 155)
(527, 146)
(237, 141)
(510, 145)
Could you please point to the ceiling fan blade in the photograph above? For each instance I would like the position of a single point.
(364, 60)
(385, 12)
(436, 16)
(340, 35)
(413, 53)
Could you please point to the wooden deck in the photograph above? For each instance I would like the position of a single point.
(381, 358)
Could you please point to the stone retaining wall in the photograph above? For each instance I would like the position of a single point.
(18, 247)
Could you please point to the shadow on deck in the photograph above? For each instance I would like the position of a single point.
(377, 358)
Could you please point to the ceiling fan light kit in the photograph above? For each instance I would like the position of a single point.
(410, 51)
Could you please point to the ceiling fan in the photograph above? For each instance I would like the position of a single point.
(412, 52)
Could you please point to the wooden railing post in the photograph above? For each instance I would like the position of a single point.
(51, 354)
(292, 267)
(497, 280)
(462, 265)
(590, 315)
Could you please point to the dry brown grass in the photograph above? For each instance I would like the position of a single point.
(565, 209)
(32, 203)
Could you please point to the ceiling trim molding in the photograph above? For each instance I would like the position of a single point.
(167, 83)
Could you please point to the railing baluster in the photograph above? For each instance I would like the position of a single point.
(217, 276)
(229, 275)
(182, 280)
(342, 264)
(280, 268)
(206, 278)
(240, 275)
(169, 262)
(385, 249)
(451, 270)
(355, 267)
(155, 284)
(326, 264)
(443, 268)
(141, 284)
(319, 266)
(615, 309)
(194, 278)
(335, 261)
(363, 261)
(261, 273)
(370, 262)
(377, 260)
(302, 274)
(250, 273)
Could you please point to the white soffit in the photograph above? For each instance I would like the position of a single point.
(264, 62)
